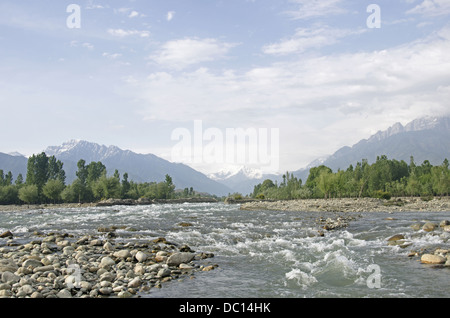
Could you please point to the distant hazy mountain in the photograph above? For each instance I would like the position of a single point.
(243, 180)
(15, 163)
(425, 138)
(140, 167)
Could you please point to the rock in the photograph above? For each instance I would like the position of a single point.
(109, 277)
(68, 250)
(141, 257)
(36, 295)
(5, 293)
(185, 266)
(429, 226)
(122, 254)
(186, 248)
(6, 234)
(64, 293)
(107, 262)
(164, 272)
(177, 258)
(396, 238)
(136, 282)
(10, 278)
(26, 289)
(96, 242)
(209, 268)
(139, 269)
(8, 265)
(108, 246)
(444, 223)
(105, 291)
(124, 294)
(154, 267)
(432, 259)
(416, 226)
(43, 269)
(446, 228)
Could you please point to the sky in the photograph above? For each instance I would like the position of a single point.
(307, 77)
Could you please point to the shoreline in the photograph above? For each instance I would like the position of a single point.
(403, 204)
(104, 203)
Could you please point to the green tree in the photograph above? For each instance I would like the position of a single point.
(314, 179)
(82, 173)
(325, 183)
(55, 170)
(19, 180)
(53, 189)
(37, 171)
(126, 186)
(74, 193)
(9, 195)
(29, 194)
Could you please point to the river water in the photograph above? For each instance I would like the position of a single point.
(268, 254)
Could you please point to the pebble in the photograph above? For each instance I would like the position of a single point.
(62, 266)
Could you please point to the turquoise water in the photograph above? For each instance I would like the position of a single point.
(268, 254)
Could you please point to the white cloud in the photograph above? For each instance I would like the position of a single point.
(111, 56)
(431, 8)
(308, 38)
(313, 8)
(311, 97)
(133, 14)
(124, 33)
(179, 54)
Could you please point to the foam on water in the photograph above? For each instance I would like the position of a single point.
(262, 253)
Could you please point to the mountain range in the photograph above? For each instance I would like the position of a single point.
(426, 138)
(140, 167)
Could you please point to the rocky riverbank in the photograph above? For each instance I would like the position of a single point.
(432, 255)
(353, 205)
(57, 265)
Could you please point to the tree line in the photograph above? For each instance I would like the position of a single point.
(46, 183)
(385, 178)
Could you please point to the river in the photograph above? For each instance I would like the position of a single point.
(268, 254)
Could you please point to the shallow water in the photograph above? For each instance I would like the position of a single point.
(267, 254)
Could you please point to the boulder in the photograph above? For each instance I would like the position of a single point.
(163, 272)
(429, 226)
(432, 259)
(136, 282)
(396, 238)
(10, 278)
(107, 262)
(122, 254)
(6, 234)
(8, 265)
(141, 257)
(178, 258)
(33, 263)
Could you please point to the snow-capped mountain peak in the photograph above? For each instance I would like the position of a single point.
(244, 172)
(83, 149)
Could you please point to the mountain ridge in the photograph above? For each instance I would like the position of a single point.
(425, 138)
(140, 167)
